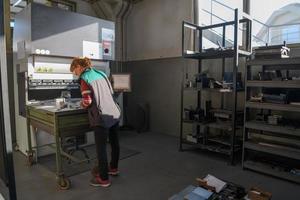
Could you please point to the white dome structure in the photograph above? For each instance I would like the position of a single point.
(283, 24)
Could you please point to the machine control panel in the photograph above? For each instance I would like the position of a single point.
(39, 84)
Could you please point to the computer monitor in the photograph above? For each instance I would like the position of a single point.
(121, 82)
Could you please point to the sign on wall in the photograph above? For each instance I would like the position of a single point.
(108, 37)
(92, 49)
(107, 50)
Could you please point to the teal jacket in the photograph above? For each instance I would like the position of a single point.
(103, 110)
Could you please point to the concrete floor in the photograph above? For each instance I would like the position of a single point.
(158, 172)
(3, 190)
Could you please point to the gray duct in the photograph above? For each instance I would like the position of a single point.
(196, 11)
(124, 41)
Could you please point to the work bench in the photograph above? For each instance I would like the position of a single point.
(60, 123)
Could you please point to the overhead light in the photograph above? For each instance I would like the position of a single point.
(17, 3)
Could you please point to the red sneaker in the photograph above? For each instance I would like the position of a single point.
(113, 172)
(98, 182)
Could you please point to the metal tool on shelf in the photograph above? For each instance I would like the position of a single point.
(271, 52)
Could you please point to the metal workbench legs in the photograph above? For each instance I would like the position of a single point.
(63, 182)
(29, 152)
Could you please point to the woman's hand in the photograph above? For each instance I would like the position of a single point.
(82, 105)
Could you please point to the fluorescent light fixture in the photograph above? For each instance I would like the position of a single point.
(17, 3)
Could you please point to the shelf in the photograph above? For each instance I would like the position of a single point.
(279, 150)
(210, 147)
(227, 126)
(217, 125)
(192, 89)
(225, 111)
(285, 130)
(223, 140)
(193, 122)
(275, 61)
(197, 138)
(215, 54)
(211, 90)
(273, 106)
(274, 84)
(267, 169)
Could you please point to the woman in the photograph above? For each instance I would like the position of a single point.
(104, 115)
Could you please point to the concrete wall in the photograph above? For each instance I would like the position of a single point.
(156, 82)
(85, 8)
(154, 28)
(153, 53)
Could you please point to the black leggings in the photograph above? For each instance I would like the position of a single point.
(101, 134)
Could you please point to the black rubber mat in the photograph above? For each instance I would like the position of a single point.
(71, 168)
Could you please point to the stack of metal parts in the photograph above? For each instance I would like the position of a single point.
(202, 81)
(232, 191)
(273, 119)
(269, 52)
(272, 75)
(225, 115)
(194, 114)
(275, 98)
(290, 97)
(199, 114)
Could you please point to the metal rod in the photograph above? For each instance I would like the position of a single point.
(244, 14)
(200, 49)
(189, 24)
(223, 64)
(235, 68)
(182, 39)
(222, 4)
(224, 36)
(245, 131)
(249, 43)
(222, 75)
(199, 71)
(211, 11)
(290, 24)
(196, 21)
(181, 114)
(245, 20)
(44, 145)
(59, 169)
(73, 158)
(4, 104)
(217, 25)
(28, 126)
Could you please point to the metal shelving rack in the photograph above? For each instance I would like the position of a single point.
(226, 146)
(264, 154)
